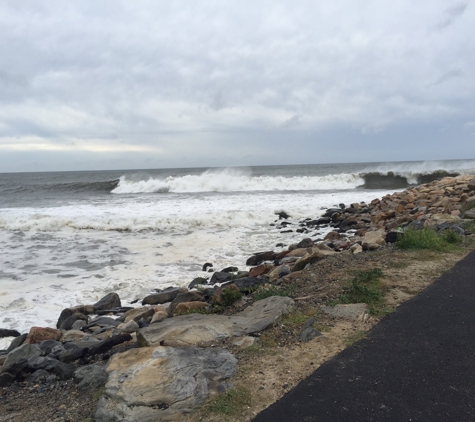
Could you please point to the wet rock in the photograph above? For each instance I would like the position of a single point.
(197, 282)
(163, 383)
(112, 300)
(164, 296)
(260, 257)
(206, 266)
(220, 277)
(4, 332)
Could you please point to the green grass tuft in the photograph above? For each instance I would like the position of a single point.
(232, 402)
(364, 287)
(268, 291)
(229, 296)
(428, 239)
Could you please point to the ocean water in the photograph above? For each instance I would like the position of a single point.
(68, 238)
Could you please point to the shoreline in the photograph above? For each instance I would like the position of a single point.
(304, 264)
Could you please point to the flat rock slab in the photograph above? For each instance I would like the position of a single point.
(193, 329)
(163, 383)
(353, 311)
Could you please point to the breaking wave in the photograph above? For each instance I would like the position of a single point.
(234, 181)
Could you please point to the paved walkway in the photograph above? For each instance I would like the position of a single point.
(418, 364)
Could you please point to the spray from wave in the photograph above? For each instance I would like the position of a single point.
(235, 180)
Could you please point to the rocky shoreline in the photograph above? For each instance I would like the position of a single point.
(159, 361)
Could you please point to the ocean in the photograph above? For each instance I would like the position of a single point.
(68, 238)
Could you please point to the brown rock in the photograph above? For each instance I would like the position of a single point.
(138, 313)
(332, 236)
(299, 252)
(471, 185)
(261, 269)
(38, 334)
(184, 307)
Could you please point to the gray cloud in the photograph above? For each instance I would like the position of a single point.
(154, 81)
(450, 15)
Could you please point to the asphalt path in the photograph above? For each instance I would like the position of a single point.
(417, 364)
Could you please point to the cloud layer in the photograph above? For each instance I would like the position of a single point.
(116, 84)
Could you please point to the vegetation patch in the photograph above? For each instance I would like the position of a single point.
(270, 290)
(355, 337)
(232, 402)
(429, 239)
(229, 296)
(365, 287)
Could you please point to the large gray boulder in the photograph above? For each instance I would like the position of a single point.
(193, 329)
(24, 352)
(163, 383)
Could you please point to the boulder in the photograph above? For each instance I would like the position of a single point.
(103, 322)
(198, 281)
(128, 327)
(68, 323)
(163, 383)
(22, 353)
(260, 270)
(220, 277)
(66, 313)
(332, 236)
(90, 377)
(471, 185)
(110, 301)
(260, 257)
(4, 332)
(247, 284)
(469, 214)
(137, 314)
(17, 342)
(164, 296)
(305, 243)
(38, 334)
(73, 335)
(316, 255)
(186, 297)
(373, 240)
(198, 328)
(185, 307)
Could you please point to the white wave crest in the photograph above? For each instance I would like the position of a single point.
(231, 180)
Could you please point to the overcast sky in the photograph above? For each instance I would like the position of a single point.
(148, 84)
